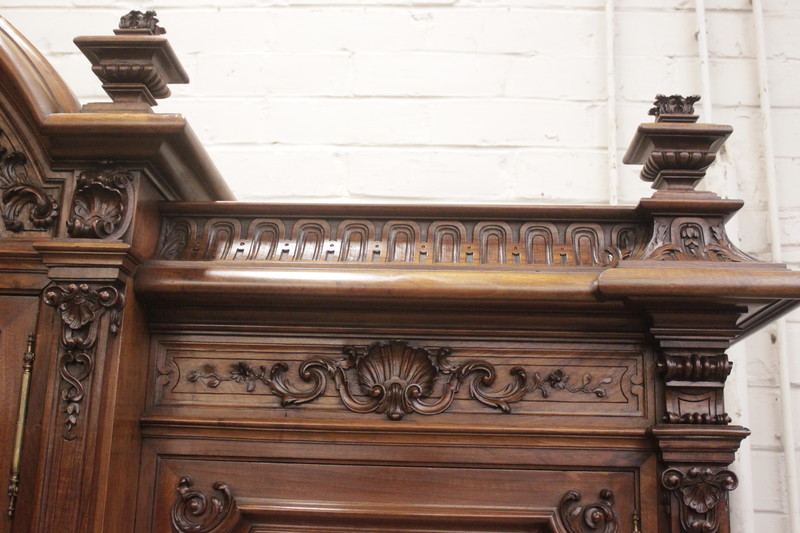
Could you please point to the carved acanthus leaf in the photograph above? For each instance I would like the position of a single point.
(398, 379)
(598, 517)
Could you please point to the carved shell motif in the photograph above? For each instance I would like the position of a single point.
(394, 373)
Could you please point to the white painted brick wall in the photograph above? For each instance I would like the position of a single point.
(498, 101)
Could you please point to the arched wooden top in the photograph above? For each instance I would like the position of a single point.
(30, 79)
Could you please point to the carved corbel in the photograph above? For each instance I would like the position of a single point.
(81, 307)
(195, 512)
(694, 387)
(102, 205)
(23, 196)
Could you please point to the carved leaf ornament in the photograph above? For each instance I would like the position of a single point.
(396, 379)
(699, 490)
(21, 191)
(80, 305)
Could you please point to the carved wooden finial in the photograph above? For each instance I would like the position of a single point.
(675, 151)
(138, 22)
(674, 108)
(135, 65)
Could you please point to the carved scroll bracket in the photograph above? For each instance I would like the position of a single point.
(25, 205)
(81, 307)
(195, 512)
(600, 516)
(102, 206)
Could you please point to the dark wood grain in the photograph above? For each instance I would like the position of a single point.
(214, 367)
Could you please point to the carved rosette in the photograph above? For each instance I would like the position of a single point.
(102, 206)
(600, 516)
(398, 379)
(195, 512)
(80, 307)
(699, 493)
(23, 197)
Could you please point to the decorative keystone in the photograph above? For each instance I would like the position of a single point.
(675, 151)
(135, 65)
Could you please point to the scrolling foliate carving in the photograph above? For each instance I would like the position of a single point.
(102, 206)
(599, 516)
(22, 193)
(698, 493)
(80, 306)
(195, 512)
(398, 379)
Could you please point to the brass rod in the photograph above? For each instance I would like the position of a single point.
(24, 393)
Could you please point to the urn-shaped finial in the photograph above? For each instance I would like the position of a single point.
(135, 65)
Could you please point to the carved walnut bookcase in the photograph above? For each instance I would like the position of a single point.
(177, 364)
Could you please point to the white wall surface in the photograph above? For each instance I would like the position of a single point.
(479, 101)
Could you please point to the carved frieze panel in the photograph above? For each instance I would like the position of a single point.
(102, 205)
(508, 242)
(24, 202)
(81, 306)
(397, 379)
(398, 241)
